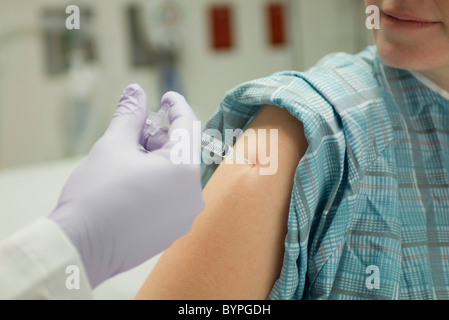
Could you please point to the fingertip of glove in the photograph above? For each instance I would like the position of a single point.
(171, 98)
(132, 90)
(134, 93)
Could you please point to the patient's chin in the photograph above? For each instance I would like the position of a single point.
(404, 57)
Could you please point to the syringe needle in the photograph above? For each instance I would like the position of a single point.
(222, 150)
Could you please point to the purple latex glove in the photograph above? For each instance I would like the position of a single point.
(123, 206)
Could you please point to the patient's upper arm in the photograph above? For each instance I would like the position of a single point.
(236, 245)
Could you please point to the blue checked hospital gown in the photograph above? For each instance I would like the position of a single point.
(369, 211)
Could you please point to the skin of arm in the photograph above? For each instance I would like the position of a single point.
(236, 246)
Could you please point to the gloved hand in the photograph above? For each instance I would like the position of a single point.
(122, 205)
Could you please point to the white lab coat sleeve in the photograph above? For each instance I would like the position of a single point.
(40, 262)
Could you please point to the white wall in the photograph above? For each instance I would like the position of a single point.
(33, 105)
(328, 26)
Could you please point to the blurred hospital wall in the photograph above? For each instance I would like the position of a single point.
(49, 113)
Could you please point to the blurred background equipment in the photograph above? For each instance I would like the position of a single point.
(59, 87)
(71, 54)
(156, 40)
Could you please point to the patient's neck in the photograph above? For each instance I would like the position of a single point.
(439, 76)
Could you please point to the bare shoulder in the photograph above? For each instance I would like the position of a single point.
(235, 248)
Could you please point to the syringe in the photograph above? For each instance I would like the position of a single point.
(220, 149)
(159, 121)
